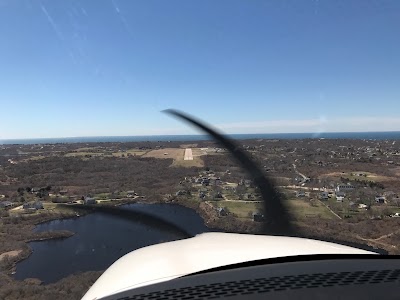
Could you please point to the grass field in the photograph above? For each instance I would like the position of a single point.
(240, 209)
(133, 152)
(303, 208)
(82, 154)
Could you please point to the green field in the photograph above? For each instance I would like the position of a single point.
(301, 209)
(240, 209)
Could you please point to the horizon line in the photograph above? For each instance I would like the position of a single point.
(155, 135)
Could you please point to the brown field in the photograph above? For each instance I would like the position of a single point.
(370, 176)
(184, 146)
(177, 155)
(198, 152)
(10, 254)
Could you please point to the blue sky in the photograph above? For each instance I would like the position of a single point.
(98, 68)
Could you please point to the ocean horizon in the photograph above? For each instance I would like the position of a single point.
(387, 135)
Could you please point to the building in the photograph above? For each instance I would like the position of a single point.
(258, 217)
(202, 195)
(180, 193)
(130, 194)
(6, 204)
(345, 188)
(300, 194)
(339, 198)
(63, 192)
(33, 205)
(380, 199)
(324, 195)
(340, 194)
(222, 212)
(89, 201)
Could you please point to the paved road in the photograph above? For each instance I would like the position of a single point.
(188, 154)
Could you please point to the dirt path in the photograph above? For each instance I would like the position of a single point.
(378, 241)
(330, 209)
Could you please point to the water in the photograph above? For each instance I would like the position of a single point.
(100, 240)
(390, 135)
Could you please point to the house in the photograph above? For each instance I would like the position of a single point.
(89, 201)
(205, 182)
(345, 188)
(339, 198)
(218, 195)
(340, 194)
(180, 193)
(63, 192)
(248, 183)
(33, 205)
(324, 195)
(130, 194)
(380, 199)
(258, 217)
(6, 204)
(222, 212)
(202, 195)
(362, 206)
(300, 194)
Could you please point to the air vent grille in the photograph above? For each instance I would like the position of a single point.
(272, 284)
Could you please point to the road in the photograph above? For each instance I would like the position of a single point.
(188, 154)
(302, 175)
(243, 201)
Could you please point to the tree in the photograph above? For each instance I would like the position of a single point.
(20, 191)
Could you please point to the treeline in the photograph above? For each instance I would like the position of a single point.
(72, 287)
(146, 175)
(360, 182)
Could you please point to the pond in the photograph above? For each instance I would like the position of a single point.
(100, 240)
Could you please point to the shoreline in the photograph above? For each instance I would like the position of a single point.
(206, 212)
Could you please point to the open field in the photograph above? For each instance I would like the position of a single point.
(299, 208)
(353, 176)
(83, 154)
(303, 208)
(133, 152)
(241, 209)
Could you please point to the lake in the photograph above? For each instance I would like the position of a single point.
(100, 240)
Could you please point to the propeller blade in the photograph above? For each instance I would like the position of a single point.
(276, 215)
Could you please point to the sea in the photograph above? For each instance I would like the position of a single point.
(389, 135)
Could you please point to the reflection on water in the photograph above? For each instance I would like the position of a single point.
(99, 240)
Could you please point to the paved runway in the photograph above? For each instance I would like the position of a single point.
(188, 154)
